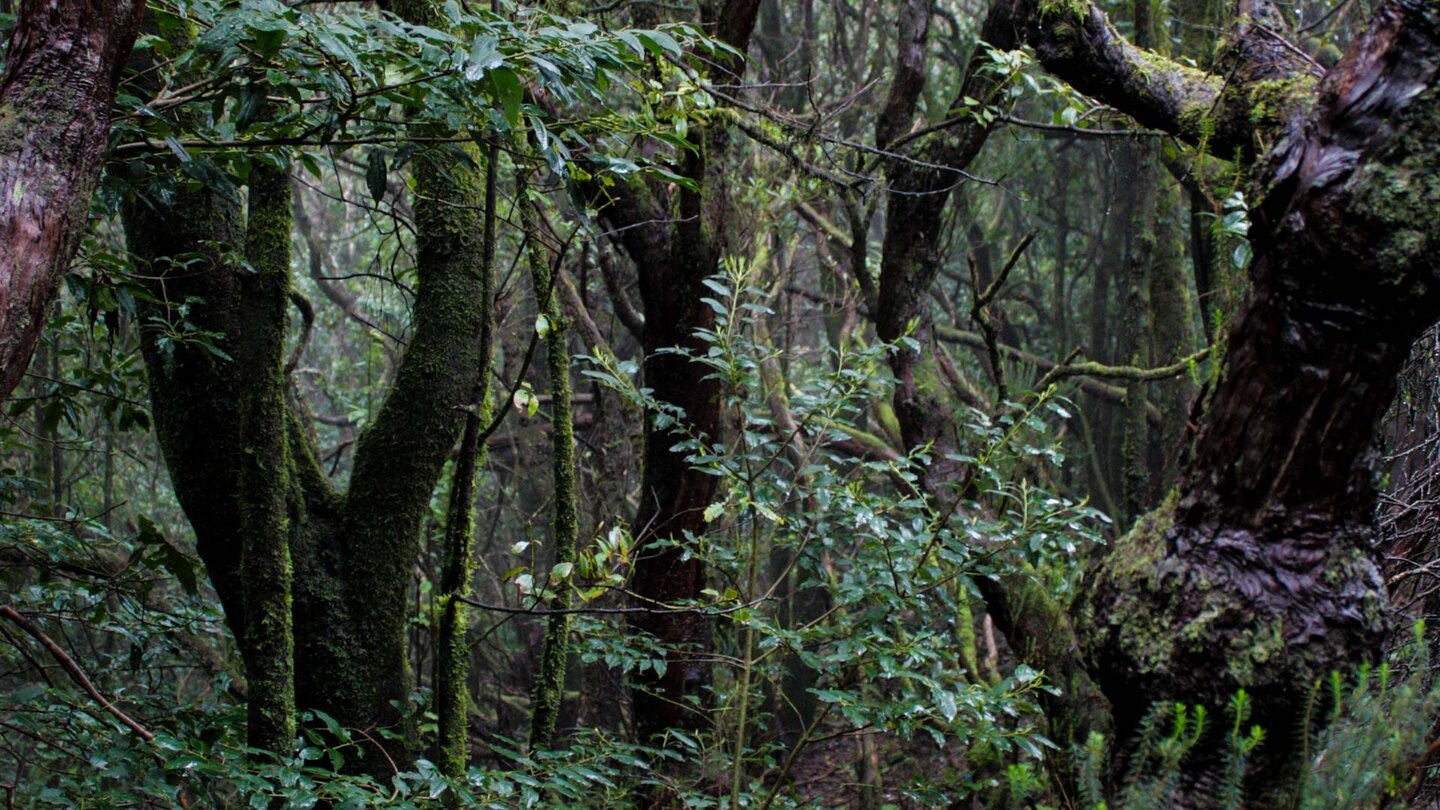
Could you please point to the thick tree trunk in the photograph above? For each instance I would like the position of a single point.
(61, 70)
(1261, 575)
(352, 557)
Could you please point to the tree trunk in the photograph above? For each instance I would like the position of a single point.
(673, 255)
(1261, 575)
(61, 70)
(352, 556)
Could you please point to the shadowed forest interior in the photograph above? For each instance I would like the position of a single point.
(720, 403)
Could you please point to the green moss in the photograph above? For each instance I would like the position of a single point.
(550, 681)
(1397, 191)
(1063, 9)
(1276, 101)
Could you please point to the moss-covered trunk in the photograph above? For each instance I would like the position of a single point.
(565, 528)
(1261, 575)
(265, 566)
(352, 555)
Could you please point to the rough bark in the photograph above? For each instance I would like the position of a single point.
(265, 566)
(452, 653)
(1261, 575)
(61, 70)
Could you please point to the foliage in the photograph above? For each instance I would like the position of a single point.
(1362, 755)
(844, 589)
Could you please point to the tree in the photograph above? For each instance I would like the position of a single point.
(277, 537)
(1266, 549)
(810, 534)
(676, 244)
(1273, 512)
(61, 70)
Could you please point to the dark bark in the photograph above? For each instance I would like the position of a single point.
(673, 496)
(911, 67)
(674, 250)
(1261, 575)
(61, 70)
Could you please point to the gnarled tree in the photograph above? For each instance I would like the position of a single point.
(1261, 574)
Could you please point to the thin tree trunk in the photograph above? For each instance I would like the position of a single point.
(550, 682)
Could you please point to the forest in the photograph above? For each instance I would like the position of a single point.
(759, 404)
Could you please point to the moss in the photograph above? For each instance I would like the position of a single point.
(264, 490)
(550, 681)
(1397, 192)
(1180, 613)
(1275, 101)
(1052, 10)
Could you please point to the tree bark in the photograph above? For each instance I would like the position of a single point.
(61, 70)
(1261, 575)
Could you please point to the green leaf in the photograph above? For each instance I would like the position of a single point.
(376, 175)
(505, 89)
(484, 56)
(946, 704)
(659, 43)
(252, 104)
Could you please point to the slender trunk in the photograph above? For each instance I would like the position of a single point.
(550, 682)
(452, 654)
(1139, 174)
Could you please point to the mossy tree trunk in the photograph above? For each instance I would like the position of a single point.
(351, 554)
(1261, 576)
(565, 528)
(265, 567)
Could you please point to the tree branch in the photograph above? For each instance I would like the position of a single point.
(75, 672)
